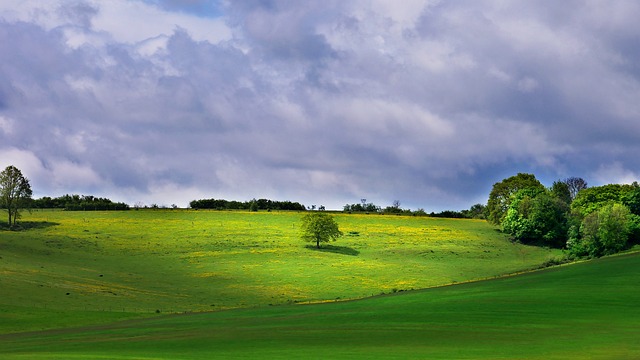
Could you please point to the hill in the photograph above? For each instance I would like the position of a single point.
(586, 310)
(95, 266)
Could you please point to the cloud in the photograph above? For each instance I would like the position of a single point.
(324, 102)
(28, 163)
(6, 126)
(615, 173)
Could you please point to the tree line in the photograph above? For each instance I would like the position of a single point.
(476, 211)
(78, 203)
(586, 221)
(252, 205)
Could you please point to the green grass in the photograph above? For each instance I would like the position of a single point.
(93, 267)
(582, 311)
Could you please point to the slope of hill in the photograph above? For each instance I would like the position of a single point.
(134, 263)
(586, 310)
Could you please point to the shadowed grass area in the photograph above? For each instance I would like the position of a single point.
(27, 225)
(344, 250)
(581, 311)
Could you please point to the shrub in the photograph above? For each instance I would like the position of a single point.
(602, 232)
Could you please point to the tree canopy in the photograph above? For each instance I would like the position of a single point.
(501, 193)
(537, 216)
(589, 222)
(602, 232)
(78, 203)
(319, 227)
(594, 198)
(15, 192)
(254, 205)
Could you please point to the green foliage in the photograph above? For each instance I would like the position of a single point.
(501, 194)
(363, 207)
(632, 199)
(602, 232)
(319, 227)
(604, 221)
(477, 211)
(634, 229)
(561, 191)
(594, 198)
(78, 203)
(253, 205)
(15, 192)
(591, 222)
(535, 216)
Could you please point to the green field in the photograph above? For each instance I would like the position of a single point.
(583, 311)
(177, 261)
(69, 269)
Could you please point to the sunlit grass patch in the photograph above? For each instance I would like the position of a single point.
(182, 260)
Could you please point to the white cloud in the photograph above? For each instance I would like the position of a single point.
(6, 125)
(28, 163)
(614, 173)
(421, 101)
(66, 174)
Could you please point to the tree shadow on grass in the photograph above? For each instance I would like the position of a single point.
(27, 225)
(344, 250)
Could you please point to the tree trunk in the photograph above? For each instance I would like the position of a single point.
(318, 243)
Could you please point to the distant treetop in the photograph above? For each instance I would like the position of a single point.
(254, 205)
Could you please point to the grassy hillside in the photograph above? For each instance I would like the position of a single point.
(90, 267)
(582, 311)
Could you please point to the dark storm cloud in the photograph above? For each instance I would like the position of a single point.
(425, 102)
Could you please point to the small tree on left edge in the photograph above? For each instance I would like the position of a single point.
(15, 192)
(319, 227)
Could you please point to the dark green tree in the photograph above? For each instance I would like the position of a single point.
(602, 232)
(561, 191)
(632, 199)
(15, 192)
(535, 216)
(501, 193)
(477, 211)
(319, 227)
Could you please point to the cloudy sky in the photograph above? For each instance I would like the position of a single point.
(322, 102)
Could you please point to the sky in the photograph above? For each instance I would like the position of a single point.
(321, 102)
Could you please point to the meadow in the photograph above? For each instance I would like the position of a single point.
(79, 268)
(580, 311)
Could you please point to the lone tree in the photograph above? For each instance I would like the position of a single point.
(15, 192)
(319, 227)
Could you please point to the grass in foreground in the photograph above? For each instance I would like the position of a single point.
(587, 310)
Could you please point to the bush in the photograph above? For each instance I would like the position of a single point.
(535, 217)
(602, 232)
